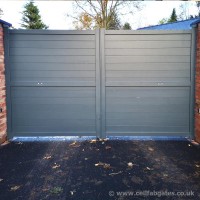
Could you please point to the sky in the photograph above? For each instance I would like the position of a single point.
(54, 13)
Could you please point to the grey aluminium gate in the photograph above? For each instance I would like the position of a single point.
(148, 83)
(53, 82)
(100, 83)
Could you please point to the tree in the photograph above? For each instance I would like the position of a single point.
(114, 22)
(103, 13)
(31, 17)
(127, 26)
(173, 17)
(198, 7)
(84, 22)
(1, 12)
(184, 11)
(163, 21)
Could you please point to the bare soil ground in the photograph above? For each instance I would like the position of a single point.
(99, 170)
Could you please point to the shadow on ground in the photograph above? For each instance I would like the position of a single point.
(99, 170)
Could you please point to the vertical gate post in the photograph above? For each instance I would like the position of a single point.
(192, 89)
(98, 83)
(103, 83)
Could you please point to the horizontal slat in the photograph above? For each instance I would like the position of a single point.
(54, 82)
(53, 115)
(175, 135)
(54, 37)
(144, 59)
(60, 108)
(149, 74)
(147, 66)
(53, 74)
(155, 37)
(52, 66)
(53, 101)
(53, 59)
(137, 92)
(149, 101)
(52, 133)
(146, 116)
(142, 82)
(52, 92)
(153, 129)
(147, 109)
(148, 52)
(53, 44)
(52, 32)
(53, 122)
(146, 32)
(146, 44)
(51, 52)
(65, 129)
(147, 122)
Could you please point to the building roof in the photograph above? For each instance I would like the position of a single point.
(179, 25)
(5, 23)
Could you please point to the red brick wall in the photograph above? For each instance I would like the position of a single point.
(3, 126)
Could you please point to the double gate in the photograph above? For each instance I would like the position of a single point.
(99, 83)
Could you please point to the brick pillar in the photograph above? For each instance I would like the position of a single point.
(3, 127)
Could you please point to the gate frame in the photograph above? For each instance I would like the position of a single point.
(193, 72)
(100, 80)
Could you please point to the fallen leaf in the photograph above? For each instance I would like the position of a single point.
(130, 164)
(104, 165)
(148, 168)
(108, 147)
(197, 166)
(107, 166)
(47, 157)
(103, 140)
(98, 182)
(14, 188)
(56, 190)
(195, 143)
(55, 166)
(113, 174)
(165, 175)
(72, 192)
(45, 189)
(1, 179)
(72, 144)
(86, 158)
(150, 149)
(189, 145)
(93, 141)
(75, 144)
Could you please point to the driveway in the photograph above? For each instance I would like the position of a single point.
(100, 170)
